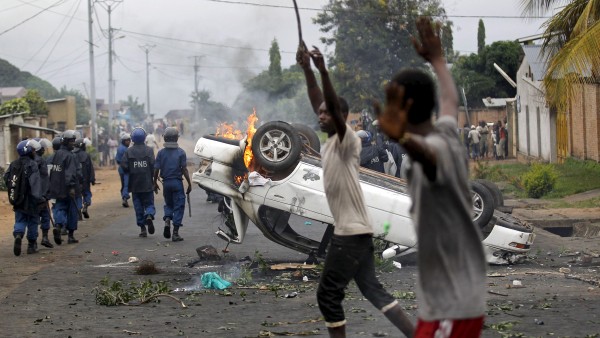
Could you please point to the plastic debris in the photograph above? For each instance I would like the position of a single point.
(133, 260)
(397, 264)
(305, 279)
(115, 253)
(255, 179)
(564, 270)
(211, 280)
(517, 283)
(386, 227)
(538, 322)
(291, 295)
(307, 223)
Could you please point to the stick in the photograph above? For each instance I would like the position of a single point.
(497, 293)
(189, 205)
(301, 43)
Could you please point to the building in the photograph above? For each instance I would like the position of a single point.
(14, 128)
(61, 113)
(10, 93)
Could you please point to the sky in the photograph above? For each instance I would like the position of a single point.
(229, 39)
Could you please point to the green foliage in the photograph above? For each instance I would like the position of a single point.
(211, 112)
(381, 264)
(116, 293)
(37, 105)
(372, 42)
(539, 180)
(11, 76)
(14, 106)
(483, 170)
(477, 75)
(275, 60)
(82, 111)
(2, 183)
(262, 263)
(136, 109)
(480, 37)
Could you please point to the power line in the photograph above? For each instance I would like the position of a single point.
(23, 3)
(57, 13)
(59, 2)
(373, 12)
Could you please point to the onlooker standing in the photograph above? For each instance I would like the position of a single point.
(451, 261)
(112, 148)
(483, 142)
(171, 164)
(151, 142)
(138, 163)
(474, 140)
(465, 134)
(502, 143)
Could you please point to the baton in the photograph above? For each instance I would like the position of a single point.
(301, 41)
(50, 214)
(189, 205)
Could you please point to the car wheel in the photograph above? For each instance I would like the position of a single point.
(308, 136)
(276, 146)
(494, 190)
(483, 204)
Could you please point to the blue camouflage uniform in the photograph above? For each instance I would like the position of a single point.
(124, 176)
(138, 164)
(171, 162)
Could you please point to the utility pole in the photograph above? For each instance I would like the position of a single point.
(147, 49)
(92, 95)
(109, 5)
(196, 68)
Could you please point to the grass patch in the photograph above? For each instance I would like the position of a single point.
(574, 176)
(590, 203)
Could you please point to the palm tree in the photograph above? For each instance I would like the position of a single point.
(571, 45)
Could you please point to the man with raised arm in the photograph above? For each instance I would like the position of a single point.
(350, 255)
(452, 267)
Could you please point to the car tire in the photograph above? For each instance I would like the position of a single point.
(276, 146)
(483, 204)
(308, 136)
(495, 191)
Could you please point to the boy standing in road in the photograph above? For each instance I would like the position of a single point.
(171, 164)
(138, 163)
(350, 254)
(451, 261)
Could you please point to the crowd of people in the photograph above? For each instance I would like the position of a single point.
(62, 179)
(484, 141)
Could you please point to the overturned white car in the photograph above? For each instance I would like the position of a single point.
(295, 187)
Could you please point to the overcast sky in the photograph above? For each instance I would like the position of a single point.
(231, 37)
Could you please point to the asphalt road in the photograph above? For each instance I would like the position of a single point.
(50, 294)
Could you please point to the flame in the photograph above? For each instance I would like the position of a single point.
(228, 130)
(239, 179)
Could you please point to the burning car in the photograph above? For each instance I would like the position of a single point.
(275, 172)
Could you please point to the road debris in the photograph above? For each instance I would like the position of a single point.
(133, 259)
(212, 280)
(292, 266)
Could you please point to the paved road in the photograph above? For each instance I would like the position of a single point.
(50, 294)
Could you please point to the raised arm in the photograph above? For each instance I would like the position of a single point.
(331, 99)
(430, 48)
(314, 92)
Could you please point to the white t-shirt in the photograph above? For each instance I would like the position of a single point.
(342, 188)
(452, 265)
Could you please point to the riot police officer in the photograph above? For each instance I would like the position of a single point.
(45, 183)
(88, 177)
(125, 142)
(64, 184)
(138, 163)
(171, 165)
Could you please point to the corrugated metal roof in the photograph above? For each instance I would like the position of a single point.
(12, 91)
(535, 58)
(492, 102)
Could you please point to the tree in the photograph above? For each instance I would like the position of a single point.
(11, 76)
(480, 37)
(477, 75)
(571, 44)
(372, 43)
(275, 60)
(82, 111)
(136, 109)
(37, 105)
(14, 106)
(448, 42)
(211, 111)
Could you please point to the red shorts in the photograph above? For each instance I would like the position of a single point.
(449, 328)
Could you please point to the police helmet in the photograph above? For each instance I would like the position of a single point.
(171, 134)
(67, 136)
(56, 143)
(79, 143)
(44, 142)
(27, 147)
(138, 135)
(125, 137)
